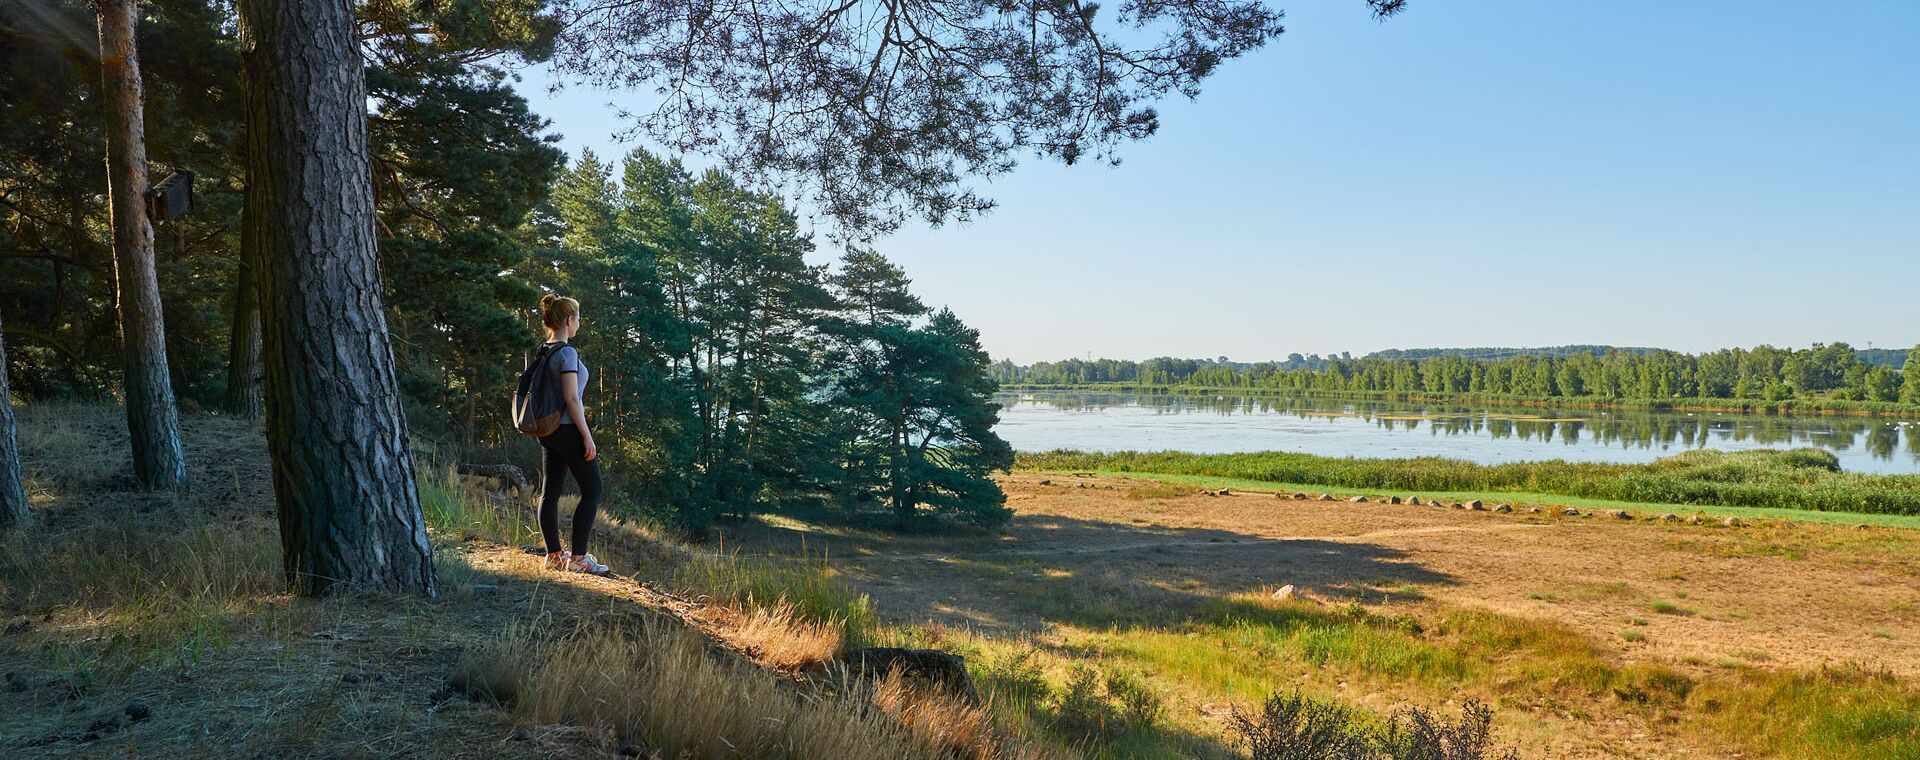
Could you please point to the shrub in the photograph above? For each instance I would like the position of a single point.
(1296, 727)
(1081, 711)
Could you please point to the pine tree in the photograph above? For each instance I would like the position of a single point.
(159, 460)
(13, 496)
(350, 517)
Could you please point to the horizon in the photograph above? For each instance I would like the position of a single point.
(1694, 169)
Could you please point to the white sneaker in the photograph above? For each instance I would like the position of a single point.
(585, 563)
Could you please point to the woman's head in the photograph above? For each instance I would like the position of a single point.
(559, 313)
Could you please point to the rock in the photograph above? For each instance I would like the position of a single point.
(1620, 514)
(1393, 500)
(946, 669)
(1284, 593)
(1358, 500)
(1414, 500)
(1326, 497)
(137, 712)
(1861, 526)
(1458, 505)
(1475, 504)
(1533, 510)
(1669, 517)
(1224, 492)
(1502, 508)
(1570, 512)
(1732, 522)
(1299, 497)
(1693, 519)
(1046, 482)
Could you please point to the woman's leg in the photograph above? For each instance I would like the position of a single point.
(553, 466)
(587, 474)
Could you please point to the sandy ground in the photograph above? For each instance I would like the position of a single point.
(1765, 593)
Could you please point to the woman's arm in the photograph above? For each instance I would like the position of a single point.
(570, 390)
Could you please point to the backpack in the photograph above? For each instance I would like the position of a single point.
(537, 405)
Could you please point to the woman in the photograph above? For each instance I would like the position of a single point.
(570, 447)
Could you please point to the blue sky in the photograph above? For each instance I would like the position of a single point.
(1689, 175)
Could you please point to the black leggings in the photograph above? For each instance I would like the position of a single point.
(561, 452)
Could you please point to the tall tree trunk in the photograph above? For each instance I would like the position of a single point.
(243, 347)
(13, 497)
(152, 420)
(350, 516)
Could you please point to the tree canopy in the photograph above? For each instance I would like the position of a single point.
(886, 110)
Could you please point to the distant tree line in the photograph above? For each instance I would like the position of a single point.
(1823, 372)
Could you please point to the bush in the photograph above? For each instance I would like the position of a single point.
(1296, 727)
(1093, 706)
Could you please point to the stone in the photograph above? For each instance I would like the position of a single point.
(946, 669)
(1326, 497)
(1570, 512)
(1620, 514)
(1458, 505)
(1299, 497)
(1693, 519)
(1284, 593)
(1415, 500)
(1224, 492)
(1861, 526)
(1533, 510)
(1502, 508)
(1732, 522)
(1046, 482)
(1475, 504)
(1358, 500)
(1393, 500)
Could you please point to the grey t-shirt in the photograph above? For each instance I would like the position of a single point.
(565, 360)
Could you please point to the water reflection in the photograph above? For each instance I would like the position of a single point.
(1221, 423)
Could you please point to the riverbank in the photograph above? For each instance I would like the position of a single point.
(1800, 480)
(1824, 407)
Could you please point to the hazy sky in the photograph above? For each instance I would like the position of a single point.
(1471, 173)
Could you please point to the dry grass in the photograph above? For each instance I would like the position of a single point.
(776, 636)
(964, 730)
(175, 603)
(652, 684)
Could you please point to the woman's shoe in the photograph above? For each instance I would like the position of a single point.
(585, 563)
(556, 560)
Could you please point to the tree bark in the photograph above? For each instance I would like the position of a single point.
(243, 347)
(343, 472)
(152, 421)
(13, 496)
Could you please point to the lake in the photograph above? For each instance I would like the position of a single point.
(1089, 421)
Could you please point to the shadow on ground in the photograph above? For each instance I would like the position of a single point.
(1049, 569)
